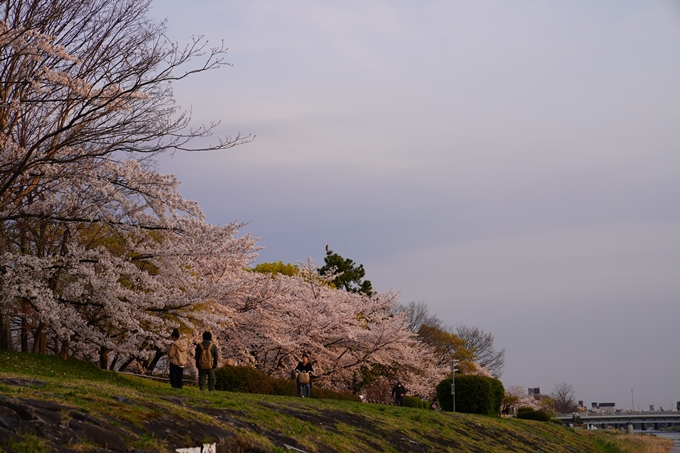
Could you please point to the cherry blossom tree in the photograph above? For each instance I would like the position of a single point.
(89, 79)
(277, 318)
(83, 83)
(126, 260)
(516, 396)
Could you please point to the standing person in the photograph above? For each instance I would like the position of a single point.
(206, 362)
(178, 359)
(398, 392)
(304, 372)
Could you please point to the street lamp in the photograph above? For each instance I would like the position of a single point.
(453, 385)
(632, 400)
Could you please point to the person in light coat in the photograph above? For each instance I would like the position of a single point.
(178, 359)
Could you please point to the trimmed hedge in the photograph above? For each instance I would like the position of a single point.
(245, 379)
(328, 394)
(474, 395)
(527, 413)
(413, 401)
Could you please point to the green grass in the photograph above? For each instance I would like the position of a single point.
(346, 426)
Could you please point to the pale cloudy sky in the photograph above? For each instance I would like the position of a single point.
(515, 165)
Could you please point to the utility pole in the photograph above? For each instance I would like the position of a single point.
(453, 385)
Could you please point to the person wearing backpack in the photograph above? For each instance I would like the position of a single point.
(304, 373)
(206, 362)
(177, 353)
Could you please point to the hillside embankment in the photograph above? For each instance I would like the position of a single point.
(51, 405)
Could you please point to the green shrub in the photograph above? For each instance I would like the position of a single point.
(412, 401)
(474, 395)
(498, 392)
(444, 395)
(318, 392)
(245, 379)
(526, 413)
(286, 387)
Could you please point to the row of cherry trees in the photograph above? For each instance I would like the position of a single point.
(99, 253)
(101, 256)
(349, 336)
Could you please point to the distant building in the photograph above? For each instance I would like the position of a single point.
(535, 393)
(608, 407)
(651, 408)
(603, 407)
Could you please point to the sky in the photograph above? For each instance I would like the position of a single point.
(514, 165)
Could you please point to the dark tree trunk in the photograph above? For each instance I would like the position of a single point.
(151, 365)
(63, 351)
(5, 332)
(127, 363)
(24, 334)
(40, 340)
(104, 358)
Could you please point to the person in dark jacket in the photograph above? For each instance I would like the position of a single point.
(304, 366)
(398, 392)
(206, 369)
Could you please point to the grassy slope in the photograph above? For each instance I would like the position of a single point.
(271, 421)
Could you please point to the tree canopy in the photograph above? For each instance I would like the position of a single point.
(563, 398)
(480, 343)
(349, 274)
(277, 268)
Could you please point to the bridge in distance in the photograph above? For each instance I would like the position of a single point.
(639, 420)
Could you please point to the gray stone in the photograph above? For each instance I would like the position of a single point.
(24, 412)
(97, 435)
(6, 435)
(7, 412)
(46, 405)
(172, 430)
(34, 413)
(4, 400)
(53, 418)
(23, 382)
(173, 400)
(10, 422)
(56, 433)
(83, 417)
(56, 448)
(123, 399)
(31, 426)
(129, 427)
